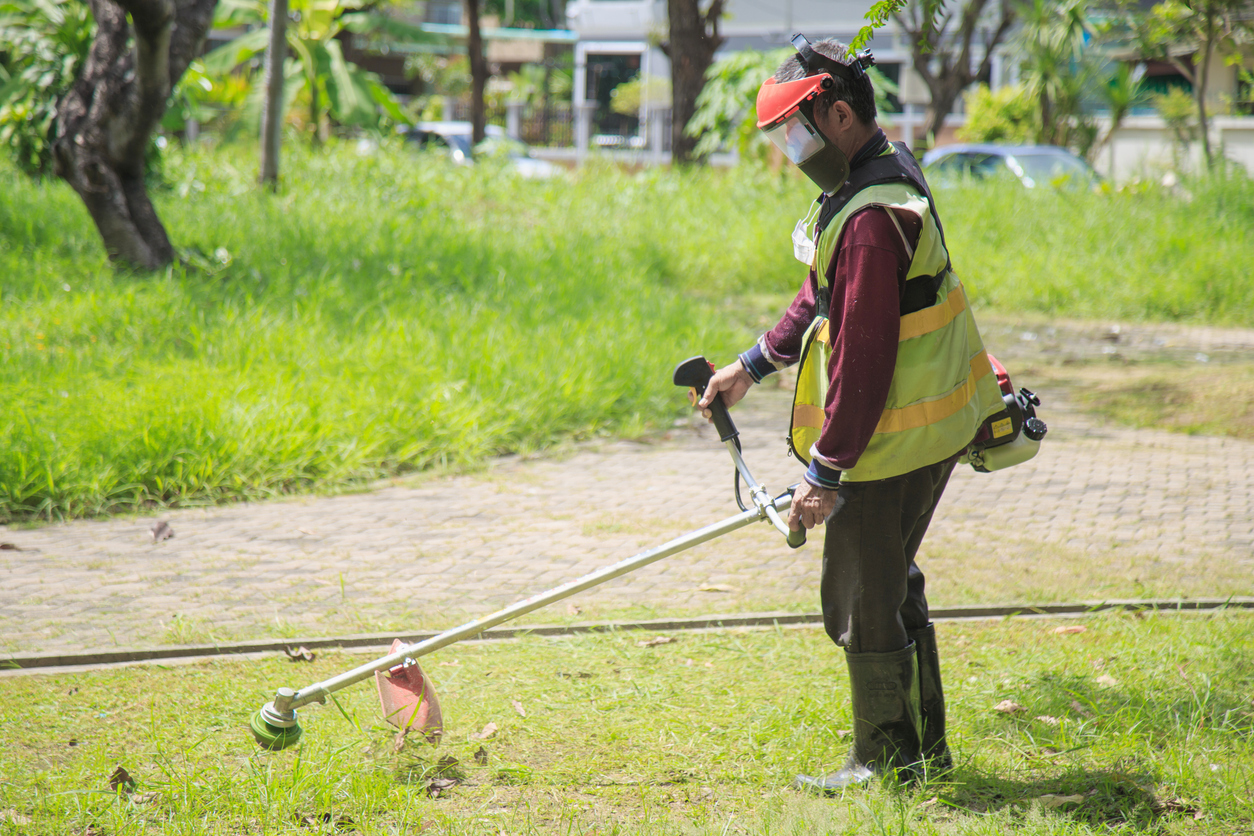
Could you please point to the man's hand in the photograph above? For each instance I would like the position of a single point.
(733, 381)
(810, 506)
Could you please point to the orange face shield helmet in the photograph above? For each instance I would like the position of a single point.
(786, 115)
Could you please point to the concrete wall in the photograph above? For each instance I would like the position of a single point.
(1144, 147)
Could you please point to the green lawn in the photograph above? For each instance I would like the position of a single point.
(385, 314)
(1129, 725)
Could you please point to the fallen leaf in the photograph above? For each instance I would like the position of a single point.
(300, 654)
(488, 731)
(1053, 802)
(717, 587)
(709, 664)
(571, 609)
(452, 663)
(398, 742)
(1078, 708)
(73, 741)
(656, 640)
(522, 712)
(844, 732)
(9, 547)
(440, 785)
(13, 817)
(1107, 681)
(341, 822)
(481, 756)
(1199, 815)
(1175, 805)
(145, 797)
(121, 781)
(1049, 721)
(71, 692)
(1009, 707)
(1069, 630)
(161, 531)
(579, 675)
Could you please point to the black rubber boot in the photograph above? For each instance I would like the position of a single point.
(936, 755)
(885, 690)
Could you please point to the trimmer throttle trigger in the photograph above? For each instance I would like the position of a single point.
(696, 372)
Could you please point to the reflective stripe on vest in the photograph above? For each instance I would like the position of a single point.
(942, 387)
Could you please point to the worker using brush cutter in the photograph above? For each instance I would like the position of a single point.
(893, 385)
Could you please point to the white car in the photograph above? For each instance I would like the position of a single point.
(454, 137)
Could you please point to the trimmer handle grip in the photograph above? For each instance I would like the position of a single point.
(696, 373)
(796, 539)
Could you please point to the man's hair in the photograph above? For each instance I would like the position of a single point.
(859, 94)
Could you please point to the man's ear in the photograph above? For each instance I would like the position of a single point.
(842, 115)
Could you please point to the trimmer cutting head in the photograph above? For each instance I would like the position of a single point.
(274, 729)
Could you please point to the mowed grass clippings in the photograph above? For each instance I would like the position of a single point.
(386, 313)
(1110, 724)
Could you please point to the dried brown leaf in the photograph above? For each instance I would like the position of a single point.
(13, 816)
(1069, 630)
(488, 731)
(1080, 708)
(300, 654)
(145, 797)
(452, 663)
(161, 531)
(8, 547)
(398, 742)
(656, 641)
(481, 756)
(1053, 802)
(438, 786)
(718, 587)
(518, 706)
(1009, 707)
(121, 781)
(1048, 720)
(572, 609)
(1107, 681)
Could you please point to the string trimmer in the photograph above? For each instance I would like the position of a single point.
(408, 699)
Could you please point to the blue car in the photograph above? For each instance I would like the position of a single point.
(1031, 165)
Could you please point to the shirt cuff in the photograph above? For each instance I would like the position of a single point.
(821, 476)
(757, 364)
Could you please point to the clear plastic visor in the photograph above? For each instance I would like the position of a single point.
(797, 138)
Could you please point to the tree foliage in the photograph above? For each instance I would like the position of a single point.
(1210, 27)
(43, 44)
(336, 88)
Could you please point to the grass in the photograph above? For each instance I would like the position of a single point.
(382, 315)
(1133, 725)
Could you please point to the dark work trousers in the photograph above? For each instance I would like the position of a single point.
(872, 590)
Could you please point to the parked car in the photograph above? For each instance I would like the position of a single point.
(453, 138)
(1031, 165)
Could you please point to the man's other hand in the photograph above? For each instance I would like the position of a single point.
(810, 506)
(733, 381)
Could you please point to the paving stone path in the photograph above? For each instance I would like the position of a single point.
(1104, 511)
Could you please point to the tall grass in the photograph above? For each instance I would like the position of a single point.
(381, 314)
(1141, 253)
(385, 313)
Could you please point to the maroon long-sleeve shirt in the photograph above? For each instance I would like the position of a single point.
(867, 277)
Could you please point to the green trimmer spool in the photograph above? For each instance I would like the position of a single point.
(274, 729)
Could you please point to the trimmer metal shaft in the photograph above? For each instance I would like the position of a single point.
(282, 711)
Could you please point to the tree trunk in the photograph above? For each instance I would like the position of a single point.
(693, 41)
(942, 94)
(1199, 89)
(104, 124)
(932, 40)
(272, 112)
(478, 71)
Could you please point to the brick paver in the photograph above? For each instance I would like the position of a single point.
(432, 552)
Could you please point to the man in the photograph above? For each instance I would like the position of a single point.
(893, 385)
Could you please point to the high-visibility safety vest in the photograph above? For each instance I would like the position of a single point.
(943, 386)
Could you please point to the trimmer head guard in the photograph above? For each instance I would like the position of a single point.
(408, 698)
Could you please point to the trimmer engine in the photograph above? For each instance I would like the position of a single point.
(1011, 436)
